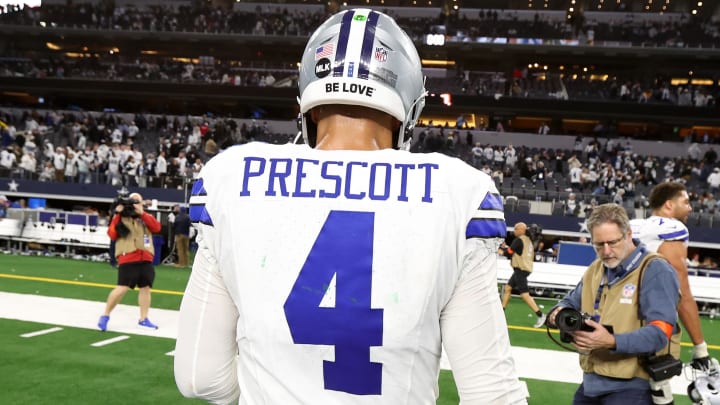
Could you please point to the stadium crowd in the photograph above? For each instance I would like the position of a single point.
(682, 31)
(168, 151)
(675, 31)
(519, 83)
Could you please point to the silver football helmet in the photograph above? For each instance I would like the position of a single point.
(362, 57)
(705, 389)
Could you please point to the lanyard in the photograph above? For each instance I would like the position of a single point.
(605, 282)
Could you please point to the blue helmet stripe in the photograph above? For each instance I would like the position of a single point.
(485, 228)
(342, 43)
(367, 46)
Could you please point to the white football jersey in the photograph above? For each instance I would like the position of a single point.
(334, 276)
(654, 230)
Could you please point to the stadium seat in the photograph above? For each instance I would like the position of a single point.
(511, 203)
(523, 206)
(706, 220)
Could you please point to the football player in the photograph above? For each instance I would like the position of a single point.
(665, 232)
(333, 272)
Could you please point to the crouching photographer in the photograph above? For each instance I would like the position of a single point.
(622, 318)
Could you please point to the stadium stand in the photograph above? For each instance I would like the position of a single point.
(164, 78)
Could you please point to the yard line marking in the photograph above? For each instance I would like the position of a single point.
(170, 353)
(78, 283)
(109, 341)
(41, 332)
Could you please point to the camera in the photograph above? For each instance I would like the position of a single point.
(570, 320)
(662, 367)
(124, 199)
(534, 232)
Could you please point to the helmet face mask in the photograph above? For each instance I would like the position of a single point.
(362, 57)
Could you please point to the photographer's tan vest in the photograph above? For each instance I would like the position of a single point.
(618, 307)
(524, 260)
(135, 239)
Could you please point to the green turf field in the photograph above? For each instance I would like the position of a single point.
(62, 368)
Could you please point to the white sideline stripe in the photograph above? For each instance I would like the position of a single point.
(170, 353)
(85, 314)
(540, 364)
(110, 341)
(41, 332)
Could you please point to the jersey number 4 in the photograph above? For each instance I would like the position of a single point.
(344, 249)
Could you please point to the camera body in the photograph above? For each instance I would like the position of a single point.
(534, 232)
(662, 367)
(124, 199)
(570, 320)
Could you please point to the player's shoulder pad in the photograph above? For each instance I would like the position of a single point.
(668, 229)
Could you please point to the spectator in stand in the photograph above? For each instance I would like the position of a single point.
(544, 129)
(8, 160)
(477, 155)
(211, 148)
(71, 166)
(713, 180)
(694, 152)
(28, 163)
(161, 168)
(572, 205)
(58, 159)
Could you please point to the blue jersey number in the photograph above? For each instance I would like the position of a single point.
(343, 248)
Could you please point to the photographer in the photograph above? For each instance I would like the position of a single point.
(521, 253)
(131, 228)
(630, 296)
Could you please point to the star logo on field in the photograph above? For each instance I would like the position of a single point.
(13, 185)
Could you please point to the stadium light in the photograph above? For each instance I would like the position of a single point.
(447, 99)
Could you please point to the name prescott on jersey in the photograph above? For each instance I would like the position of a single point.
(309, 178)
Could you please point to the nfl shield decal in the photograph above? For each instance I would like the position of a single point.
(628, 290)
(381, 54)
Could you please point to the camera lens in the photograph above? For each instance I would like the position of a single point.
(571, 321)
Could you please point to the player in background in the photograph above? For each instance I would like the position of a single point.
(664, 232)
(333, 273)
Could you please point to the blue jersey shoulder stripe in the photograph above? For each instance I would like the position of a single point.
(198, 188)
(486, 228)
(198, 213)
(492, 201)
(679, 235)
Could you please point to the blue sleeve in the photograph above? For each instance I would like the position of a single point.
(659, 294)
(572, 299)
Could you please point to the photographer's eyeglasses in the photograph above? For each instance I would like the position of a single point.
(612, 243)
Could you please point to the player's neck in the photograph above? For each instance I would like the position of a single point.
(338, 132)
